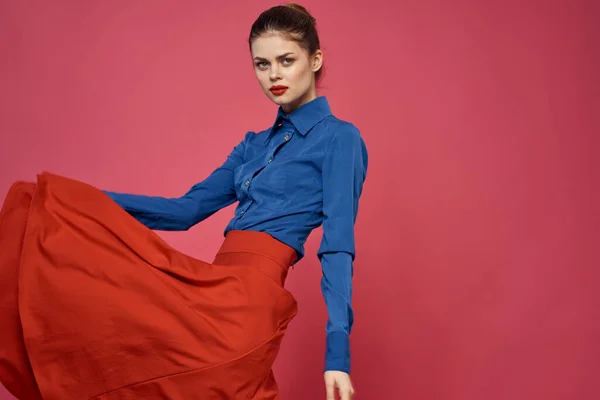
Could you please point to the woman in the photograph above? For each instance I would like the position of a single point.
(97, 306)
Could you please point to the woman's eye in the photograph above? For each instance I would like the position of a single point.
(262, 64)
(287, 61)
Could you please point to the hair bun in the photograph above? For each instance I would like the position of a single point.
(301, 9)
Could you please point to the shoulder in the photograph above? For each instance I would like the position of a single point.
(337, 129)
(343, 133)
(255, 136)
(251, 138)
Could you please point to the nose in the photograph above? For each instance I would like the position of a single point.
(274, 75)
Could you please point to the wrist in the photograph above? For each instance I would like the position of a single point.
(337, 352)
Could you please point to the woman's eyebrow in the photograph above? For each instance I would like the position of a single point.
(281, 56)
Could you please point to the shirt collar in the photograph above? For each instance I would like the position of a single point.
(305, 117)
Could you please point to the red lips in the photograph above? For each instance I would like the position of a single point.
(278, 90)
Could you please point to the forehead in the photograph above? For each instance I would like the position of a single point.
(274, 45)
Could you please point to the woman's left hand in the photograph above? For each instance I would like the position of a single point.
(341, 381)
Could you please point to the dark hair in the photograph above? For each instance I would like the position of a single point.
(292, 21)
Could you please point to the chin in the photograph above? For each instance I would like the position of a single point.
(281, 100)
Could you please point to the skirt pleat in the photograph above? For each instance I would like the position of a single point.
(98, 306)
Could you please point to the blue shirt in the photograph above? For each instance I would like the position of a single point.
(304, 171)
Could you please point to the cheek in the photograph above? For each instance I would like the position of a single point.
(300, 74)
(262, 77)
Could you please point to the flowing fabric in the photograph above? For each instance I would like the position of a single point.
(94, 305)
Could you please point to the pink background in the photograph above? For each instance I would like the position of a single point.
(477, 271)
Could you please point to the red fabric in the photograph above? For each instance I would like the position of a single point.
(97, 306)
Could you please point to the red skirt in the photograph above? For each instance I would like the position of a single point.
(94, 305)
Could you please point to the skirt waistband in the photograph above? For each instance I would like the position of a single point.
(257, 249)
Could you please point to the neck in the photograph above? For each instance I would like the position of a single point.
(307, 97)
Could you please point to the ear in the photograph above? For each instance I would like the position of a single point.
(317, 60)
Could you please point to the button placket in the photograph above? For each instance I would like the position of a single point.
(286, 138)
(245, 187)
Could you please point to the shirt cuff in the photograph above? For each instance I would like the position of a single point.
(337, 353)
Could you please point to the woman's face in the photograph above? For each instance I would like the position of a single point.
(285, 71)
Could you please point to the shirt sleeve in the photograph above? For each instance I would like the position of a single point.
(199, 202)
(344, 173)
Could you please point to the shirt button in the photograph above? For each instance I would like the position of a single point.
(287, 137)
(247, 182)
(270, 160)
(242, 212)
(279, 125)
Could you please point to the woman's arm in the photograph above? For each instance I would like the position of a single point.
(201, 201)
(344, 173)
